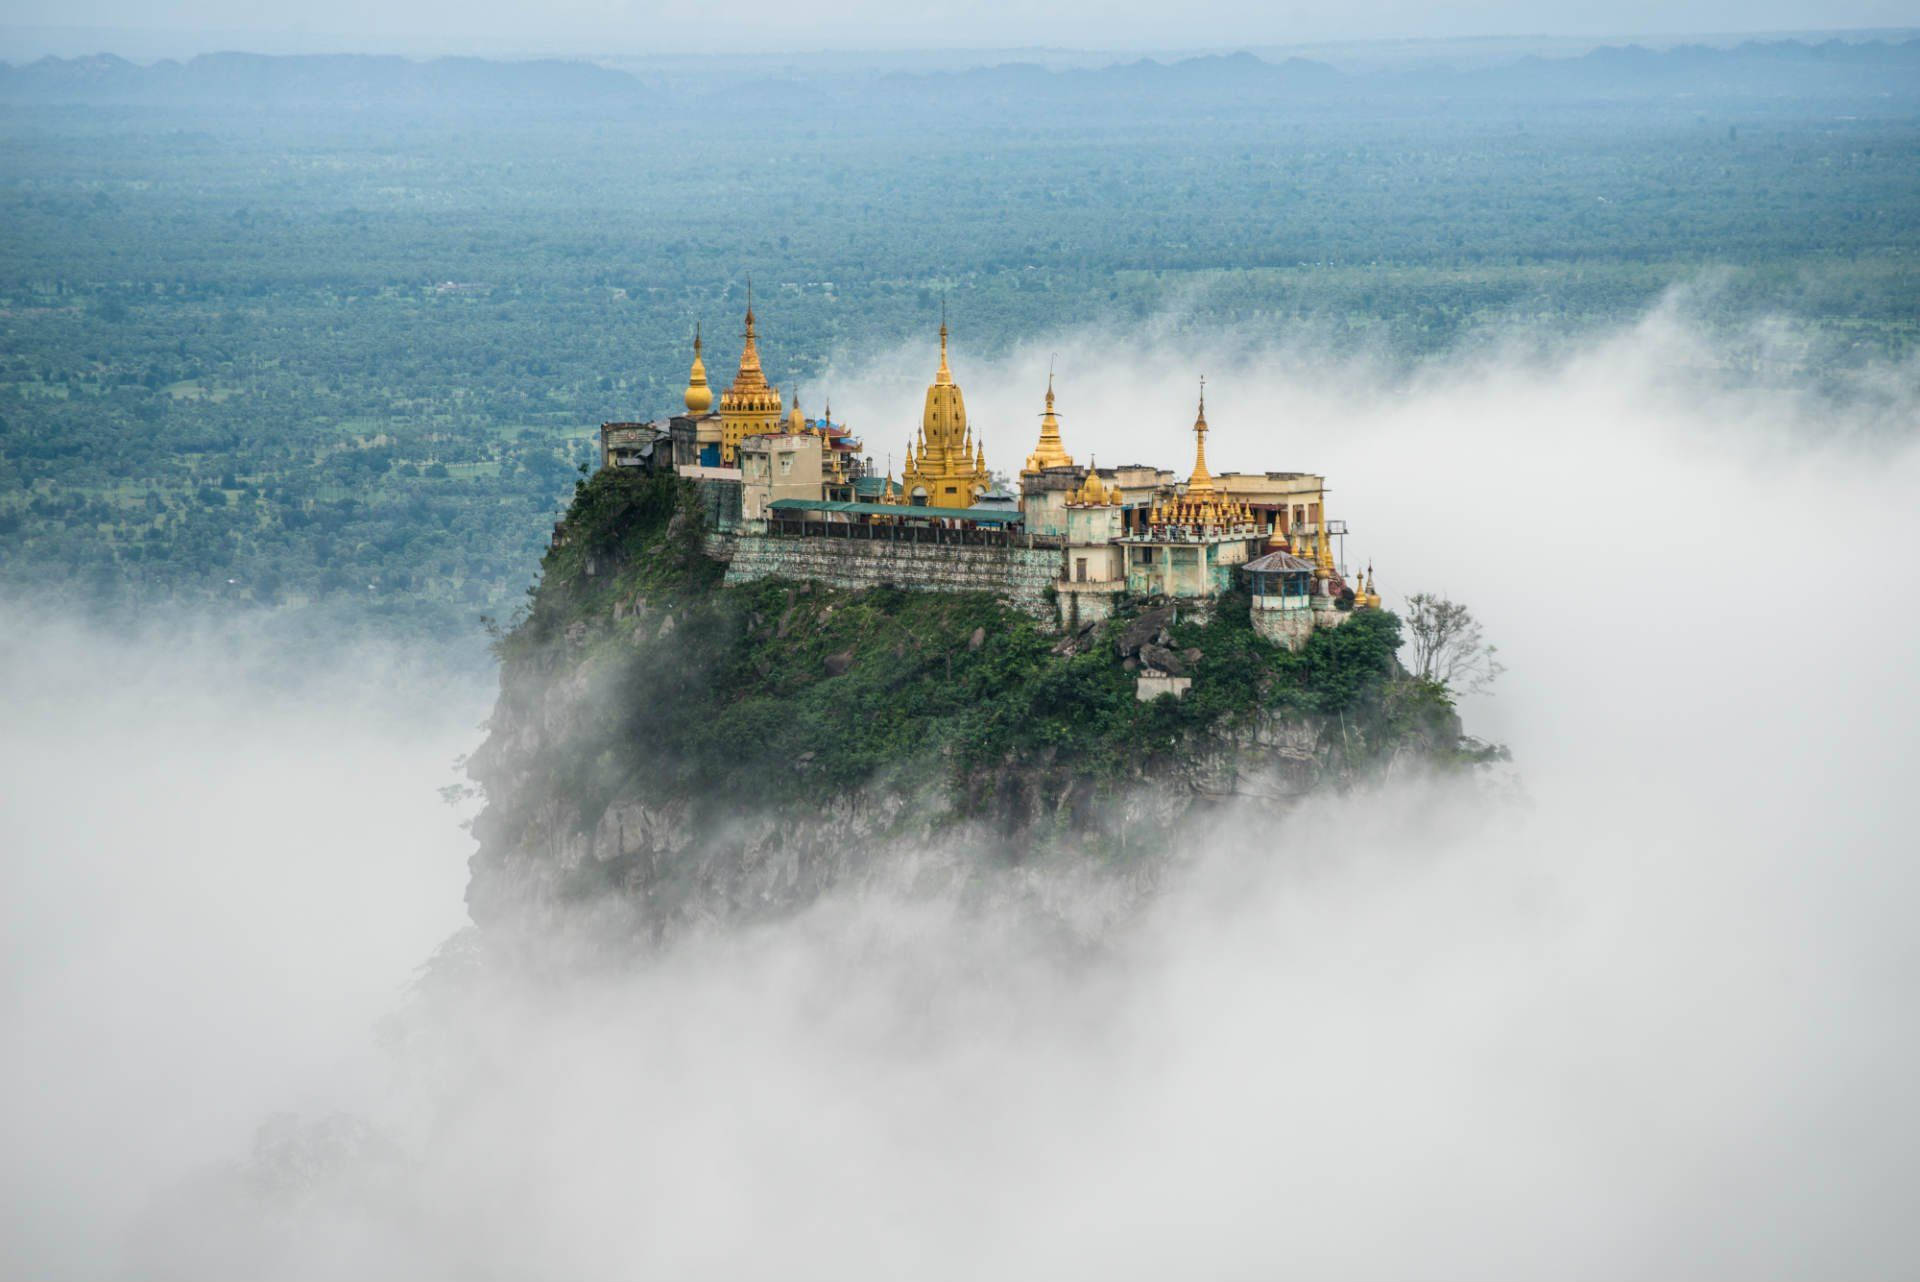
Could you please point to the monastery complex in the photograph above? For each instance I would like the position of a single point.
(792, 496)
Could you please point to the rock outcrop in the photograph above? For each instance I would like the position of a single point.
(677, 752)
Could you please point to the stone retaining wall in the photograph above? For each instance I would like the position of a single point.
(1289, 627)
(1017, 575)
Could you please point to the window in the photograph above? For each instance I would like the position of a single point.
(1080, 569)
(1313, 513)
(786, 464)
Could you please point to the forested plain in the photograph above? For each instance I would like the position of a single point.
(351, 356)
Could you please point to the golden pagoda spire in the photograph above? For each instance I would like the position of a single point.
(1202, 480)
(1049, 452)
(1323, 552)
(1202, 506)
(945, 467)
(750, 376)
(943, 375)
(749, 407)
(699, 395)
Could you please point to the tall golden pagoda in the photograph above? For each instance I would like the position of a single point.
(945, 468)
(1049, 452)
(749, 406)
(1202, 507)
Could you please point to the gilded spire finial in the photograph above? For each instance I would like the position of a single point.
(699, 396)
(1049, 452)
(945, 375)
(750, 375)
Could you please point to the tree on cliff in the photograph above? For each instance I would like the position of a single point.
(1448, 645)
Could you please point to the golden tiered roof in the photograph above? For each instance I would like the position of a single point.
(1201, 506)
(749, 391)
(749, 407)
(1049, 452)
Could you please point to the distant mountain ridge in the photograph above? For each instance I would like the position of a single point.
(319, 79)
(1837, 69)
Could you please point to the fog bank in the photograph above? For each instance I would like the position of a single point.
(1649, 1017)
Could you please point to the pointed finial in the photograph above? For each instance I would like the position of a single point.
(1202, 480)
(696, 338)
(944, 375)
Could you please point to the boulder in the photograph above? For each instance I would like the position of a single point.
(1159, 657)
(837, 664)
(978, 639)
(1149, 628)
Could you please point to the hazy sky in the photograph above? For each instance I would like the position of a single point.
(617, 27)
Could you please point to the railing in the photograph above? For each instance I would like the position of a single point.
(782, 526)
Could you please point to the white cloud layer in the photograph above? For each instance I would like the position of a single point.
(1651, 1021)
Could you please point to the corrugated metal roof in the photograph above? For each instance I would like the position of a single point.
(985, 516)
(1276, 563)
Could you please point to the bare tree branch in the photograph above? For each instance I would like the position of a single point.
(1448, 645)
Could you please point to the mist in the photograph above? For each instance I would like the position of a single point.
(603, 27)
(1638, 1009)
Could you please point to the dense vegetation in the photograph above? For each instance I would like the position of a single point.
(355, 356)
(773, 692)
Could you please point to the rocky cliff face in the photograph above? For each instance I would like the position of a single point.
(676, 753)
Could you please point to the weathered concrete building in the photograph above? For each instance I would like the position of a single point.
(784, 466)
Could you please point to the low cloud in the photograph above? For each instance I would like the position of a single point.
(1644, 1015)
